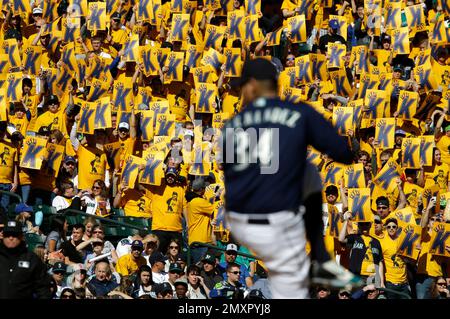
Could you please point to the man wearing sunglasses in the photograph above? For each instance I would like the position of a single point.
(22, 273)
(395, 266)
(231, 288)
(129, 263)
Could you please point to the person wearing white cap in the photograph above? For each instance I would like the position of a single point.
(127, 137)
(230, 257)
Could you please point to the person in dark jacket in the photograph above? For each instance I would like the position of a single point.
(22, 273)
(102, 283)
(210, 273)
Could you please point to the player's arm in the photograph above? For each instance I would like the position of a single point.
(323, 137)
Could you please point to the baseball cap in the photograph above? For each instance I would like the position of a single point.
(69, 159)
(377, 218)
(259, 69)
(331, 189)
(382, 201)
(156, 257)
(124, 125)
(334, 24)
(447, 128)
(143, 107)
(172, 171)
(209, 258)
(163, 287)
(23, 208)
(231, 247)
(12, 228)
(175, 267)
(198, 184)
(52, 98)
(386, 38)
(398, 67)
(181, 281)
(115, 16)
(37, 10)
(59, 266)
(400, 132)
(44, 131)
(189, 133)
(137, 244)
(345, 292)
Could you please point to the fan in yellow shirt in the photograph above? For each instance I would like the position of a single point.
(435, 174)
(53, 118)
(130, 263)
(428, 266)
(168, 208)
(395, 266)
(199, 212)
(92, 161)
(135, 202)
(8, 166)
(443, 140)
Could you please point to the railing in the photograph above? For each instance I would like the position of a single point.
(198, 244)
(106, 220)
(11, 194)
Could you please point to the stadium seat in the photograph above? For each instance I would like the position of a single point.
(33, 240)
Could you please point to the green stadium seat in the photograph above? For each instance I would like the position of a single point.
(33, 240)
(136, 221)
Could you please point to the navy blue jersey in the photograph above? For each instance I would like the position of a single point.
(265, 174)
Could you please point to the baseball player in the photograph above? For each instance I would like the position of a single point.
(264, 156)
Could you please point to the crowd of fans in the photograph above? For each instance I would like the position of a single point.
(117, 106)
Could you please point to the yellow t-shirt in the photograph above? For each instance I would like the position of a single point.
(427, 263)
(199, 211)
(20, 124)
(119, 36)
(136, 205)
(438, 176)
(126, 265)
(8, 156)
(126, 148)
(367, 266)
(231, 104)
(168, 203)
(53, 120)
(395, 270)
(179, 97)
(92, 165)
(444, 146)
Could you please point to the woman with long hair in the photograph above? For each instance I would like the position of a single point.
(196, 285)
(173, 250)
(96, 200)
(439, 289)
(57, 235)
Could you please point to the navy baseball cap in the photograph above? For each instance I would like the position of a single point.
(156, 257)
(259, 69)
(70, 159)
(175, 267)
(137, 244)
(20, 208)
(172, 171)
(334, 24)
